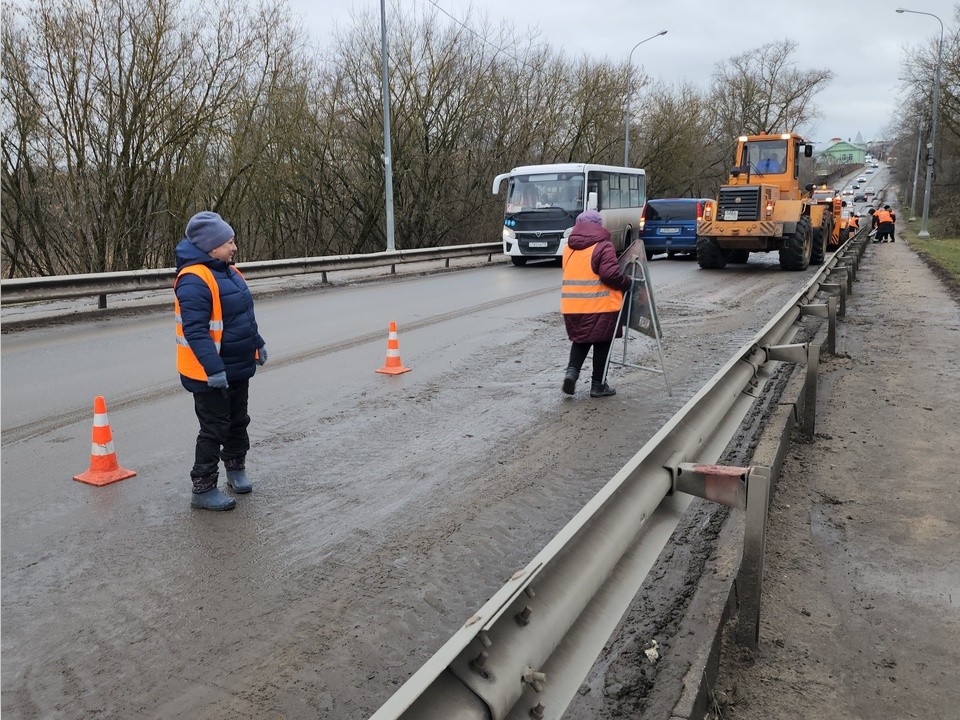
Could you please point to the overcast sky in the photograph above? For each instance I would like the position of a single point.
(862, 42)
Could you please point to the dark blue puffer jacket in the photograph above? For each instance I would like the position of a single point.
(240, 337)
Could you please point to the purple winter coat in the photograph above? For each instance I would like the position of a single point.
(596, 327)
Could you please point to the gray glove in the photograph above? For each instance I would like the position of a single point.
(218, 380)
(262, 356)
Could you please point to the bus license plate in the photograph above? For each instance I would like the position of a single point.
(537, 244)
(730, 214)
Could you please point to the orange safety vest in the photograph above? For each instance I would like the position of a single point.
(854, 221)
(582, 291)
(883, 216)
(187, 363)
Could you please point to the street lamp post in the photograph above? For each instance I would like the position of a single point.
(626, 137)
(387, 162)
(924, 234)
(916, 174)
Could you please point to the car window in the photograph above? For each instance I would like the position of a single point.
(667, 210)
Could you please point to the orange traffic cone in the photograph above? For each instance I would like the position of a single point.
(392, 365)
(104, 468)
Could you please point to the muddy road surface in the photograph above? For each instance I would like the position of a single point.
(385, 509)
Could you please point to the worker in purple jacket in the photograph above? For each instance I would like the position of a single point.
(590, 299)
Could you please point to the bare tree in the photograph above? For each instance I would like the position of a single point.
(761, 90)
(155, 110)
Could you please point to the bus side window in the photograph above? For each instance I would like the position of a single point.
(634, 191)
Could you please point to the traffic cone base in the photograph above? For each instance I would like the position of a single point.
(104, 468)
(392, 365)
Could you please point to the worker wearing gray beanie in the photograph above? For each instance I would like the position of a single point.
(219, 348)
(208, 231)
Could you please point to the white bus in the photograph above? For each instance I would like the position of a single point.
(543, 202)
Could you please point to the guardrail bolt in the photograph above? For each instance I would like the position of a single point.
(478, 664)
(534, 678)
(485, 639)
(523, 617)
(537, 712)
(529, 591)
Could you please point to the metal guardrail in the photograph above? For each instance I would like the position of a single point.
(526, 651)
(60, 287)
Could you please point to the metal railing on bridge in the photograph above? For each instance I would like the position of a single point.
(61, 287)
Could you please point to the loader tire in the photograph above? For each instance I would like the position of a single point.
(844, 236)
(710, 255)
(797, 247)
(820, 238)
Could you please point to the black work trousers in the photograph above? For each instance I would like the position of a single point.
(578, 354)
(223, 433)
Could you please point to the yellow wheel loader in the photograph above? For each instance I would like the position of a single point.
(762, 208)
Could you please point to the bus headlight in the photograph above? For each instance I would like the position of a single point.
(508, 234)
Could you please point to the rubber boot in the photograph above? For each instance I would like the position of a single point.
(237, 481)
(570, 380)
(601, 390)
(212, 499)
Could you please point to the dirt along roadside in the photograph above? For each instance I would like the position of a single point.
(860, 615)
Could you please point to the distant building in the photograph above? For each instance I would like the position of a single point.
(841, 152)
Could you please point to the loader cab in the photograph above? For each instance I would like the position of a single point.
(770, 160)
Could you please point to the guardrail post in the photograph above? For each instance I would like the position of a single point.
(831, 315)
(826, 311)
(809, 355)
(746, 488)
(841, 269)
(840, 291)
(852, 258)
(102, 301)
(750, 578)
(862, 243)
(809, 421)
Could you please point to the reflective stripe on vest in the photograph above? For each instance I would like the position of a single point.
(187, 363)
(883, 216)
(582, 291)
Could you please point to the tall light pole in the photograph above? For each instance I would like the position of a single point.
(626, 137)
(916, 174)
(924, 234)
(387, 162)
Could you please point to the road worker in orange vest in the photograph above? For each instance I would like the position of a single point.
(218, 350)
(885, 224)
(590, 300)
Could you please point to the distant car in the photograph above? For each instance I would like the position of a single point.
(670, 225)
(862, 179)
(859, 197)
(870, 191)
(876, 165)
(856, 186)
(869, 171)
(847, 191)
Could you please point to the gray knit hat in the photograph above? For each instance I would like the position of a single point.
(590, 216)
(207, 230)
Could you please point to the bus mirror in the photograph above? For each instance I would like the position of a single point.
(592, 201)
(808, 150)
(497, 180)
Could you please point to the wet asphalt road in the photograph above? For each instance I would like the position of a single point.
(385, 509)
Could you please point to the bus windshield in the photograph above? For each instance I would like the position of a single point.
(555, 190)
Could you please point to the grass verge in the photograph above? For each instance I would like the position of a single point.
(941, 254)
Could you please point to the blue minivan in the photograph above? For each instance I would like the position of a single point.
(669, 225)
